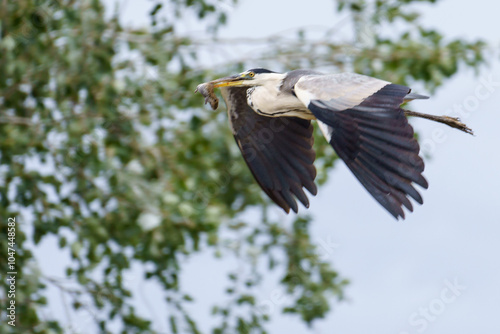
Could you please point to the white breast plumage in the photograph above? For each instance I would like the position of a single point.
(267, 100)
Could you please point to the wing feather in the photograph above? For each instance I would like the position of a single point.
(362, 119)
(278, 150)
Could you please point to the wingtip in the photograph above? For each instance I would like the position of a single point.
(399, 214)
(424, 184)
(312, 188)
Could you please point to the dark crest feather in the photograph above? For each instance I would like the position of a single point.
(261, 70)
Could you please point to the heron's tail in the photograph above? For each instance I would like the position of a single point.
(413, 96)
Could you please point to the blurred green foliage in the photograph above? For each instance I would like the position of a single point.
(104, 146)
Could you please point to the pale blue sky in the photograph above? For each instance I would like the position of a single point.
(396, 268)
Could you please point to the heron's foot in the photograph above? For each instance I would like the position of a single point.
(453, 122)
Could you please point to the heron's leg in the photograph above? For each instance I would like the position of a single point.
(454, 122)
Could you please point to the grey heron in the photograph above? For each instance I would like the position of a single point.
(361, 117)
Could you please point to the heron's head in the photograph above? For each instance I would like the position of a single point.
(250, 78)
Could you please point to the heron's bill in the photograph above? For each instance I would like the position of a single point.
(228, 81)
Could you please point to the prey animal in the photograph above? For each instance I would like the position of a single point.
(361, 117)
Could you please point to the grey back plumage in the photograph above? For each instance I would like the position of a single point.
(340, 91)
(292, 77)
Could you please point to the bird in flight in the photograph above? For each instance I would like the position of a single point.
(361, 117)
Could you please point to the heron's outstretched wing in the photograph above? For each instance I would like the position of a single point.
(277, 150)
(362, 119)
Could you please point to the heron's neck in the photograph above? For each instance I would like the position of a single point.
(268, 98)
(270, 81)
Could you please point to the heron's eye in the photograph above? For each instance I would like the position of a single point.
(251, 74)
